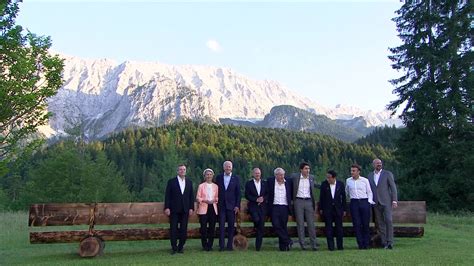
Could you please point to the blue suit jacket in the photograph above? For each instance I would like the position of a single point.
(326, 202)
(230, 198)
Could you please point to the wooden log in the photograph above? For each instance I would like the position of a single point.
(91, 246)
(412, 212)
(163, 233)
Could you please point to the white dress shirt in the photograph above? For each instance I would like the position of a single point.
(359, 189)
(376, 177)
(182, 184)
(333, 189)
(280, 194)
(303, 188)
(258, 185)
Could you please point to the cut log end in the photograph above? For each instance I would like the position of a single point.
(91, 246)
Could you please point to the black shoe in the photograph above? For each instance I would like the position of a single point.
(340, 248)
(315, 249)
(221, 249)
(303, 247)
(180, 251)
(172, 252)
(230, 249)
(388, 247)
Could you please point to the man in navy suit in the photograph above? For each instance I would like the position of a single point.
(256, 194)
(229, 204)
(279, 202)
(332, 200)
(179, 204)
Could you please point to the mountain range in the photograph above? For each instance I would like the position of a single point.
(101, 96)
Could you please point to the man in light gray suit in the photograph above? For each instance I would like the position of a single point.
(304, 205)
(384, 191)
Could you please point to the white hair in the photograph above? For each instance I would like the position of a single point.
(278, 170)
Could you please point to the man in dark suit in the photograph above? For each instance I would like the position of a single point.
(385, 196)
(304, 204)
(279, 202)
(229, 204)
(332, 203)
(179, 204)
(256, 194)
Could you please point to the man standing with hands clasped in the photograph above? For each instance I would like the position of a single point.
(384, 192)
(229, 204)
(179, 204)
(332, 202)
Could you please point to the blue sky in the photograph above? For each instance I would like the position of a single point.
(332, 52)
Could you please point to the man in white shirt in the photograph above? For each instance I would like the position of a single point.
(256, 194)
(385, 196)
(359, 191)
(304, 205)
(279, 199)
(179, 204)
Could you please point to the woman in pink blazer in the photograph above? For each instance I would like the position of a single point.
(206, 197)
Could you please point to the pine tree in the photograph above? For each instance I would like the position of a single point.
(436, 93)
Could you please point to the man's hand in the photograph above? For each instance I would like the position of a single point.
(236, 210)
(259, 200)
(394, 204)
(191, 212)
(344, 214)
(167, 212)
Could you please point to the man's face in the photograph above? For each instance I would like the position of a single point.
(182, 171)
(228, 167)
(355, 172)
(280, 177)
(305, 170)
(377, 165)
(330, 179)
(257, 173)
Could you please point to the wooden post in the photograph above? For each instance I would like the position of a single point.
(91, 246)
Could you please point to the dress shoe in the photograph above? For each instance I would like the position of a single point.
(388, 247)
(181, 251)
(172, 252)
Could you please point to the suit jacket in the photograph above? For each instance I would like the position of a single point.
(230, 198)
(271, 194)
(295, 179)
(201, 195)
(385, 191)
(251, 195)
(326, 202)
(177, 202)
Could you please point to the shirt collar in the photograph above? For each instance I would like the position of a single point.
(302, 177)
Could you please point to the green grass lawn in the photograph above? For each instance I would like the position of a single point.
(448, 240)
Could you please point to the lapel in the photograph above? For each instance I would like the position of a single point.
(297, 183)
(255, 187)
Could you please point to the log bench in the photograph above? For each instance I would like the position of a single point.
(408, 220)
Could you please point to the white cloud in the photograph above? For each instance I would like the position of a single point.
(213, 45)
